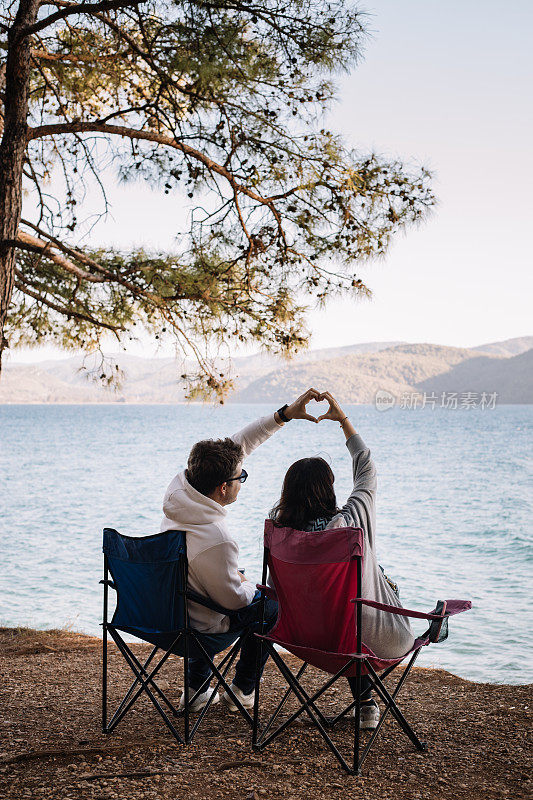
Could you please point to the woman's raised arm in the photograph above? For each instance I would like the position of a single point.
(336, 413)
(360, 507)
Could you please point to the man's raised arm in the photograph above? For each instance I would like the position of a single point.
(262, 429)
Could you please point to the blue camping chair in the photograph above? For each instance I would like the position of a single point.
(149, 575)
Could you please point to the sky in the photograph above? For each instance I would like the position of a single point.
(446, 85)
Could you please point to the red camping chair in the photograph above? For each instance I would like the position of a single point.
(317, 580)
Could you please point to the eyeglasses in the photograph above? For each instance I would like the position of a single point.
(242, 477)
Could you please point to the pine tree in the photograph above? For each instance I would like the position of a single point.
(219, 102)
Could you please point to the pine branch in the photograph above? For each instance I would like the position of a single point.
(147, 136)
(68, 58)
(35, 245)
(78, 8)
(107, 275)
(26, 288)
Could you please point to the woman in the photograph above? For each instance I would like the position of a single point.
(308, 503)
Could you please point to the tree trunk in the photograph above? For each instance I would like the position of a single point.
(12, 150)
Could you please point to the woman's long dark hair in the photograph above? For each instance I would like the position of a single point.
(307, 494)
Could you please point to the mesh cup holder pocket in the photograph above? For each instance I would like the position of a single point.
(438, 630)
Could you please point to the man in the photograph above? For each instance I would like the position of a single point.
(195, 502)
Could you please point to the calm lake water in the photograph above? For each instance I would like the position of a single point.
(454, 509)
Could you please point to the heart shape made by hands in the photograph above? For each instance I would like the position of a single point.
(319, 408)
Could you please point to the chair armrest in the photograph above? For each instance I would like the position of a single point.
(201, 600)
(109, 583)
(451, 607)
(268, 590)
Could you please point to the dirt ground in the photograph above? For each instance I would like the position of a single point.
(52, 745)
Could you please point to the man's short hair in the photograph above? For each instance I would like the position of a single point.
(211, 462)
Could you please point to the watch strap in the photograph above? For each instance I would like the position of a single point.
(281, 413)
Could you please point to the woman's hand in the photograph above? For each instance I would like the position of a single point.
(334, 411)
(297, 410)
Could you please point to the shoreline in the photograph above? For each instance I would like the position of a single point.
(77, 639)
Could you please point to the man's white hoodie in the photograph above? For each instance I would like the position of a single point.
(212, 554)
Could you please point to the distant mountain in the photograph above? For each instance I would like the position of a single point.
(246, 366)
(509, 347)
(34, 384)
(353, 373)
(146, 380)
(356, 378)
(511, 378)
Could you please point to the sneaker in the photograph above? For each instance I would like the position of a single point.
(200, 701)
(247, 700)
(369, 718)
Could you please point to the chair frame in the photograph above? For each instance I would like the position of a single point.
(144, 679)
(261, 739)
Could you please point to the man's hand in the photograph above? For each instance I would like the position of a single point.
(242, 576)
(297, 410)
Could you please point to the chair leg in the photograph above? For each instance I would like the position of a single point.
(186, 687)
(390, 701)
(255, 726)
(333, 721)
(222, 671)
(130, 691)
(259, 655)
(306, 704)
(104, 678)
(194, 693)
(221, 677)
(282, 701)
(390, 705)
(144, 685)
(357, 719)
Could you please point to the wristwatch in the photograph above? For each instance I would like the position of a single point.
(281, 412)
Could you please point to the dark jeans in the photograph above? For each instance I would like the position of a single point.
(244, 679)
(366, 687)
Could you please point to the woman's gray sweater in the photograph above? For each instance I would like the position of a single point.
(388, 635)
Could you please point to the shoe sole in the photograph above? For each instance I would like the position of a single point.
(368, 727)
